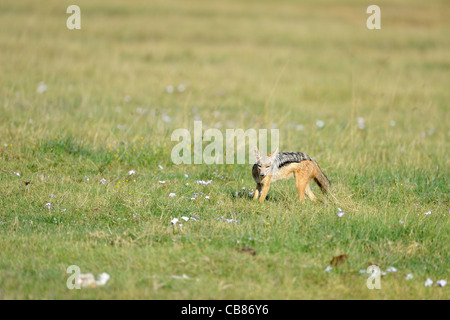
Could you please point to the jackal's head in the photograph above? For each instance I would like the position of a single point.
(264, 163)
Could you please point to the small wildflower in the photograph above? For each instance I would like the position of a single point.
(409, 276)
(391, 269)
(103, 180)
(131, 172)
(428, 282)
(162, 181)
(328, 269)
(185, 218)
(427, 213)
(340, 213)
(160, 167)
(320, 124)
(166, 118)
(169, 89)
(171, 195)
(441, 283)
(183, 277)
(174, 221)
(361, 124)
(42, 87)
(17, 174)
(103, 278)
(48, 205)
(202, 182)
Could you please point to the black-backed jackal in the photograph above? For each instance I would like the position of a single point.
(284, 165)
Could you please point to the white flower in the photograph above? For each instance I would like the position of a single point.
(202, 182)
(186, 176)
(409, 276)
(428, 282)
(172, 194)
(166, 118)
(161, 181)
(441, 283)
(169, 89)
(206, 197)
(160, 166)
(42, 87)
(185, 218)
(183, 277)
(181, 88)
(340, 213)
(328, 269)
(131, 172)
(49, 206)
(103, 180)
(320, 124)
(52, 195)
(174, 221)
(391, 269)
(103, 279)
(427, 213)
(392, 123)
(361, 124)
(17, 174)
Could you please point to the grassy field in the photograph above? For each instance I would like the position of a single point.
(81, 108)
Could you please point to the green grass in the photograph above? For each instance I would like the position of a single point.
(252, 64)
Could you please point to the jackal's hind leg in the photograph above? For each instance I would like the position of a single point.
(309, 193)
(301, 186)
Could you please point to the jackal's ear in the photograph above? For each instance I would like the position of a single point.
(274, 153)
(257, 154)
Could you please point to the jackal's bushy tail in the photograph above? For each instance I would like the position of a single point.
(322, 180)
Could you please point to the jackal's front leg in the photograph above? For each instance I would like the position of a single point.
(257, 191)
(265, 188)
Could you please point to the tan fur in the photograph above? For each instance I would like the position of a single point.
(303, 172)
